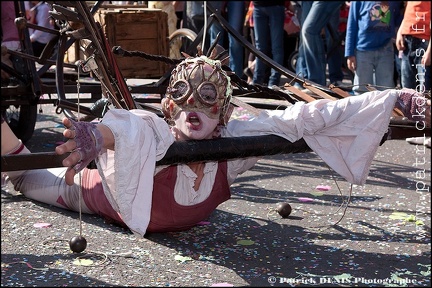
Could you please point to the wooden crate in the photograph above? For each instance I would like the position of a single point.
(137, 29)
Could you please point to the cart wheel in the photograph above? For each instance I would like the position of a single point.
(22, 120)
(292, 61)
(179, 41)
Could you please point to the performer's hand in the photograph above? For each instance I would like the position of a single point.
(84, 142)
(414, 106)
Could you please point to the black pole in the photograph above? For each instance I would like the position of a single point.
(179, 152)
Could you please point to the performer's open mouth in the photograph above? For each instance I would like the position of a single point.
(194, 121)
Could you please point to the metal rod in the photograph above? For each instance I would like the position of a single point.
(179, 152)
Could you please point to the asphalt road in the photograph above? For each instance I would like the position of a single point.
(381, 238)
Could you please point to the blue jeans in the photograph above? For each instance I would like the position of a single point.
(316, 15)
(269, 39)
(235, 15)
(375, 68)
(194, 15)
(334, 49)
(413, 74)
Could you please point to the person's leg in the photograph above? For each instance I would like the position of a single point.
(216, 28)
(261, 41)
(384, 67)
(423, 75)
(276, 24)
(397, 66)
(313, 45)
(364, 73)
(249, 70)
(334, 49)
(43, 185)
(408, 69)
(236, 50)
(193, 15)
(413, 74)
(37, 48)
(301, 69)
(9, 141)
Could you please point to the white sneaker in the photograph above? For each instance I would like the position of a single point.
(419, 141)
(4, 179)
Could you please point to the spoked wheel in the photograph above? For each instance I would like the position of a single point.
(292, 61)
(99, 60)
(21, 119)
(19, 104)
(179, 41)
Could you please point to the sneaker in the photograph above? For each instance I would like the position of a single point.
(4, 179)
(298, 86)
(273, 87)
(338, 83)
(419, 141)
(307, 91)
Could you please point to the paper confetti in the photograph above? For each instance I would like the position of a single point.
(245, 242)
(398, 215)
(42, 225)
(224, 284)
(83, 262)
(317, 193)
(323, 187)
(305, 199)
(182, 258)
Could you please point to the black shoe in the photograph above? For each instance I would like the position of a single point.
(341, 85)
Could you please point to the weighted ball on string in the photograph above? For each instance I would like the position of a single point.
(78, 244)
(284, 209)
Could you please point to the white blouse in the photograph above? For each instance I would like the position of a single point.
(345, 133)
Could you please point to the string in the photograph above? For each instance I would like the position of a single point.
(205, 25)
(79, 173)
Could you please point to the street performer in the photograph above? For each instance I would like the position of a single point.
(128, 188)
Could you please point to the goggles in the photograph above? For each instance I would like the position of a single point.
(206, 92)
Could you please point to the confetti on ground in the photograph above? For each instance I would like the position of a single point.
(245, 242)
(28, 265)
(323, 188)
(317, 193)
(182, 258)
(222, 285)
(218, 251)
(305, 199)
(83, 262)
(42, 225)
(398, 215)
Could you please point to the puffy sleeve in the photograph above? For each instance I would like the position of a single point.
(345, 133)
(141, 139)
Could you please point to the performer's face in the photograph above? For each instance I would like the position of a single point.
(201, 91)
(194, 125)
